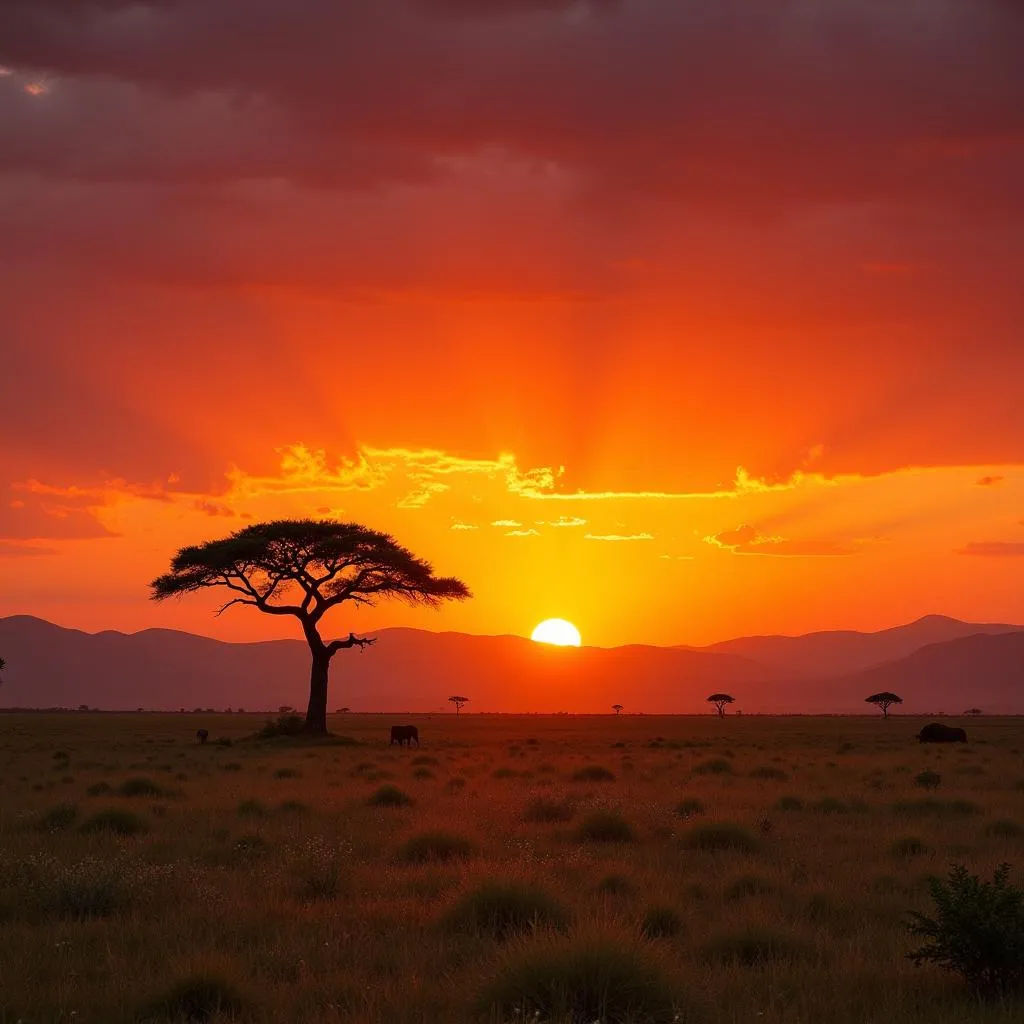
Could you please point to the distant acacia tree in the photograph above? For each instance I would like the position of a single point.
(974, 711)
(343, 711)
(3, 665)
(617, 708)
(304, 568)
(884, 701)
(458, 702)
(720, 700)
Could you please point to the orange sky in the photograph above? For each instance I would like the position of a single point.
(678, 321)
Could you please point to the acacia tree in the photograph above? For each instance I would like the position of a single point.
(720, 700)
(884, 701)
(304, 568)
(458, 702)
(617, 708)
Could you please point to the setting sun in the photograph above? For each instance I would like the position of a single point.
(558, 632)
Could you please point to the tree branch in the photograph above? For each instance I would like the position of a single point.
(353, 641)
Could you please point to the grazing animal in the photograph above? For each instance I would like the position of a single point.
(202, 735)
(403, 735)
(936, 732)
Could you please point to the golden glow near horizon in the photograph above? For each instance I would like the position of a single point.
(557, 632)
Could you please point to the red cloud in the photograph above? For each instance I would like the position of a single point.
(994, 549)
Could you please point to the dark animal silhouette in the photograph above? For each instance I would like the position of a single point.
(202, 735)
(936, 732)
(403, 735)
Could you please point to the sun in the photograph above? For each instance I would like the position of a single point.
(558, 632)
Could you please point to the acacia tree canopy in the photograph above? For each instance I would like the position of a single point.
(884, 701)
(720, 700)
(303, 568)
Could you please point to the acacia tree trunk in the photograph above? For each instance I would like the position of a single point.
(316, 710)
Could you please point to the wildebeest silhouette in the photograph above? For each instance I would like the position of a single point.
(202, 735)
(936, 732)
(403, 735)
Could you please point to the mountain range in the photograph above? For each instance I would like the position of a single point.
(936, 664)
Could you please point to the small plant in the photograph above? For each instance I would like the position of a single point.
(426, 760)
(57, 819)
(283, 725)
(928, 806)
(115, 822)
(423, 774)
(615, 885)
(286, 773)
(389, 796)
(789, 803)
(292, 807)
(978, 930)
(1003, 829)
(504, 772)
(592, 773)
(745, 886)
(753, 947)
(928, 779)
(581, 980)
(435, 846)
(768, 772)
(605, 827)
(908, 846)
(196, 999)
(501, 909)
(252, 809)
(548, 811)
(716, 766)
(88, 889)
(98, 788)
(139, 787)
(722, 837)
(689, 807)
(661, 923)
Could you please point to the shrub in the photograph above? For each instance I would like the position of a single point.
(753, 946)
(661, 923)
(249, 847)
(292, 807)
(230, 766)
(139, 787)
(88, 889)
(931, 806)
(789, 803)
(434, 846)
(283, 725)
(116, 822)
(615, 885)
(548, 811)
(196, 999)
(747, 885)
(455, 785)
(581, 981)
(1003, 829)
(504, 773)
(928, 779)
(689, 807)
(58, 818)
(767, 772)
(716, 766)
(829, 805)
(423, 774)
(98, 788)
(908, 846)
(426, 760)
(500, 909)
(251, 809)
(605, 827)
(389, 796)
(592, 773)
(720, 837)
(286, 773)
(978, 930)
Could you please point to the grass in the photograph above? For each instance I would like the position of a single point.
(742, 896)
(592, 773)
(390, 796)
(139, 786)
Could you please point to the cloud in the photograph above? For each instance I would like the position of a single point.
(747, 540)
(563, 521)
(212, 508)
(458, 525)
(523, 533)
(618, 536)
(506, 522)
(994, 549)
(9, 550)
(990, 481)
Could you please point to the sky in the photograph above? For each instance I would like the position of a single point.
(679, 320)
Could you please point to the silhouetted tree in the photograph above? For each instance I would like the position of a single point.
(883, 700)
(458, 702)
(720, 700)
(617, 708)
(343, 711)
(3, 665)
(304, 568)
(286, 709)
(974, 711)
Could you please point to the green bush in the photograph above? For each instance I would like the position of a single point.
(196, 999)
(661, 923)
(116, 822)
(139, 786)
(283, 725)
(721, 837)
(548, 811)
(389, 796)
(581, 980)
(592, 773)
(716, 766)
(434, 846)
(605, 827)
(928, 779)
(500, 909)
(58, 818)
(978, 930)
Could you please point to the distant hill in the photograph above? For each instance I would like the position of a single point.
(416, 670)
(843, 652)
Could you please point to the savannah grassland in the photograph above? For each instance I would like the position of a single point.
(265, 867)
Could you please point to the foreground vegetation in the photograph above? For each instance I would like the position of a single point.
(550, 869)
